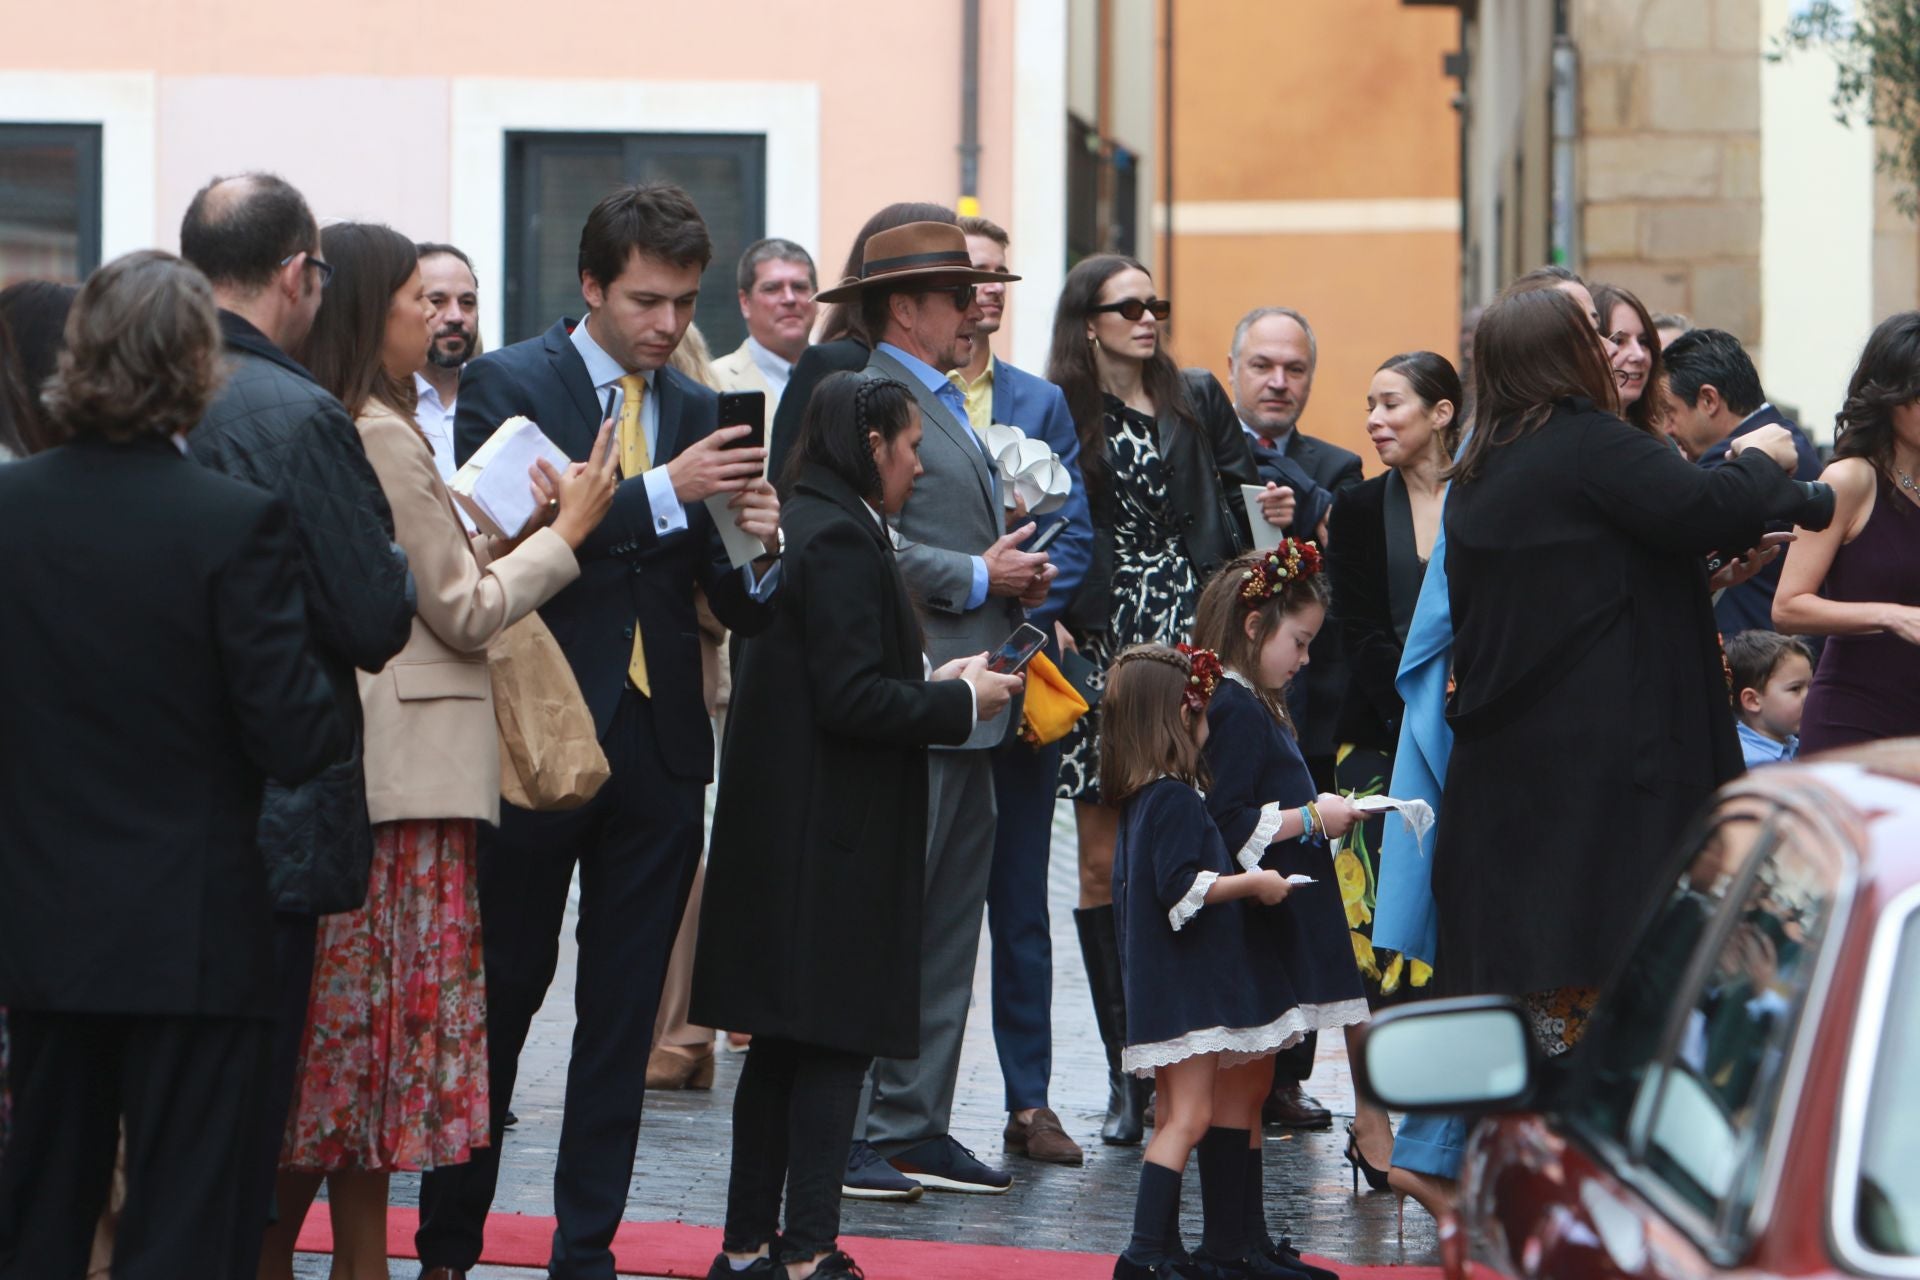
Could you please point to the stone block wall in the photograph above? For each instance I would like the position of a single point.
(1669, 154)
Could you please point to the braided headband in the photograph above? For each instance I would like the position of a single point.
(1291, 561)
(1201, 667)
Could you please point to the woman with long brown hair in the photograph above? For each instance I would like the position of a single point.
(1164, 488)
(393, 1066)
(1532, 897)
(1635, 357)
(1856, 579)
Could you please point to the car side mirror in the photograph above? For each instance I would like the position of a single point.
(1467, 1054)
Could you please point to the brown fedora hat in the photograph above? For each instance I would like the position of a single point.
(918, 252)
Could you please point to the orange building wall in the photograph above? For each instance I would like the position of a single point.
(1313, 100)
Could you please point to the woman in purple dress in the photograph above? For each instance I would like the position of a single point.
(1859, 581)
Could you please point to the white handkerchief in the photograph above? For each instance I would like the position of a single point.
(1417, 814)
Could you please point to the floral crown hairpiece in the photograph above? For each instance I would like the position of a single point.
(1200, 666)
(1291, 561)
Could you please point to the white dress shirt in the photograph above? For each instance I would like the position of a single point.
(773, 368)
(436, 424)
(668, 515)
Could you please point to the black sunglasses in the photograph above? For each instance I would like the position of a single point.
(962, 294)
(324, 268)
(1133, 308)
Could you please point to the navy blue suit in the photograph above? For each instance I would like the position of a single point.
(1749, 606)
(636, 843)
(1024, 777)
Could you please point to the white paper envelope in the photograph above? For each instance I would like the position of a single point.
(742, 547)
(494, 486)
(1265, 536)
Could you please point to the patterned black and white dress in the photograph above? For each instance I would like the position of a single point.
(1154, 587)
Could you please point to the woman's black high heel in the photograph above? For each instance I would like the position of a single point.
(1376, 1178)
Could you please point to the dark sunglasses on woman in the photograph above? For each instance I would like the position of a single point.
(1133, 308)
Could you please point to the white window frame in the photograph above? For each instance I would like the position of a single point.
(486, 110)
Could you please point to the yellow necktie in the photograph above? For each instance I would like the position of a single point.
(634, 462)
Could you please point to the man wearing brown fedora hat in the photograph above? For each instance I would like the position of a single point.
(915, 291)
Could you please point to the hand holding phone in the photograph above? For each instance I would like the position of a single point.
(1017, 650)
(745, 409)
(1047, 535)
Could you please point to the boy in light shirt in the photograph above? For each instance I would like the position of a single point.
(1771, 673)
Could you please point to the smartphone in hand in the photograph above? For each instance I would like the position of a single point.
(745, 409)
(1017, 650)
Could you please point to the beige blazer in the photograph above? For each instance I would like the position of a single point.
(432, 748)
(736, 371)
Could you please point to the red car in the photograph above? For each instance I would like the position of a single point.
(1746, 1098)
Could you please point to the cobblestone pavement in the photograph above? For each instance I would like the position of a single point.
(681, 1173)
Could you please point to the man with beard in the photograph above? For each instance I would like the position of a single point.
(453, 290)
(916, 294)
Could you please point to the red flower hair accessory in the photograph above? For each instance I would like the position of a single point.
(1204, 674)
(1291, 561)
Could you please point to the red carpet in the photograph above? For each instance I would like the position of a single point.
(676, 1249)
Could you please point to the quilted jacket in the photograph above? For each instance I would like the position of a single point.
(273, 426)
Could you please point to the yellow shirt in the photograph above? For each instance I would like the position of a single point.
(979, 396)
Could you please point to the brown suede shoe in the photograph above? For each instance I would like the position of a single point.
(1042, 1138)
(669, 1070)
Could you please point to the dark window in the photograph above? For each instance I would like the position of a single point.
(1083, 190)
(49, 202)
(555, 179)
(1686, 1062)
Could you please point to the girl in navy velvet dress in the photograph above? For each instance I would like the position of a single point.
(1260, 612)
(1195, 1005)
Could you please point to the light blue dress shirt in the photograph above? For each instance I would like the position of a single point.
(669, 516)
(949, 395)
(1757, 748)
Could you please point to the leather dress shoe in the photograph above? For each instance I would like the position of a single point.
(1042, 1138)
(669, 1070)
(1290, 1107)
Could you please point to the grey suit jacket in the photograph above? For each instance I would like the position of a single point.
(953, 516)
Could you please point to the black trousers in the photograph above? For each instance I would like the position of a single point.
(1295, 1065)
(293, 937)
(636, 845)
(793, 1116)
(190, 1090)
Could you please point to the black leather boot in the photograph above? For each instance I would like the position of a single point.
(1127, 1097)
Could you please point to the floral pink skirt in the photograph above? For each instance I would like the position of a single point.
(393, 1067)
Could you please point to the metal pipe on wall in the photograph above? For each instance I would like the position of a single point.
(969, 202)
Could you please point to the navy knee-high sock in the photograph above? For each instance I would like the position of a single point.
(1223, 1193)
(1156, 1215)
(1259, 1238)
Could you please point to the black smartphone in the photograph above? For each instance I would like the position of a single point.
(748, 409)
(1047, 535)
(1017, 650)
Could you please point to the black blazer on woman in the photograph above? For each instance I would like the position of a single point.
(1590, 709)
(154, 670)
(1204, 473)
(810, 927)
(1376, 571)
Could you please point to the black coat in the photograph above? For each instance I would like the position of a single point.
(1590, 713)
(628, 571)
(810, 928)
(1376, 571)
(815, 363)
(1204, 470)
(273, 426)
(1314, 698)
(154, 666)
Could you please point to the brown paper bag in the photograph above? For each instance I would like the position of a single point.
(550, 757)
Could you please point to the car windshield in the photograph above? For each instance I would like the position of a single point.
(1889, 1199)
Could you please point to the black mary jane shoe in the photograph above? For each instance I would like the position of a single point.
(1287, 1256)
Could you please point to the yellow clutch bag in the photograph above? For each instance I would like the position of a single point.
(1053, 706)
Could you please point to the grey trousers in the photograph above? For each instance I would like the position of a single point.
(909, 1100)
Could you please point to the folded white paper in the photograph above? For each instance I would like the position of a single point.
(742, 547)
(1029, 470)
(1265, 536)
(494, 486)
(1417, 814)
(1299, 879)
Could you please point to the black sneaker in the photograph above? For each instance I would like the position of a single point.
(762, 1269)
(838, 1266)
(868, 1177)
(941, 1164)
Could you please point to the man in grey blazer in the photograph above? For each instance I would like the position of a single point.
(915, 291)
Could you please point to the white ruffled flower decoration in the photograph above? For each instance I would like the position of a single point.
(1029, 470)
